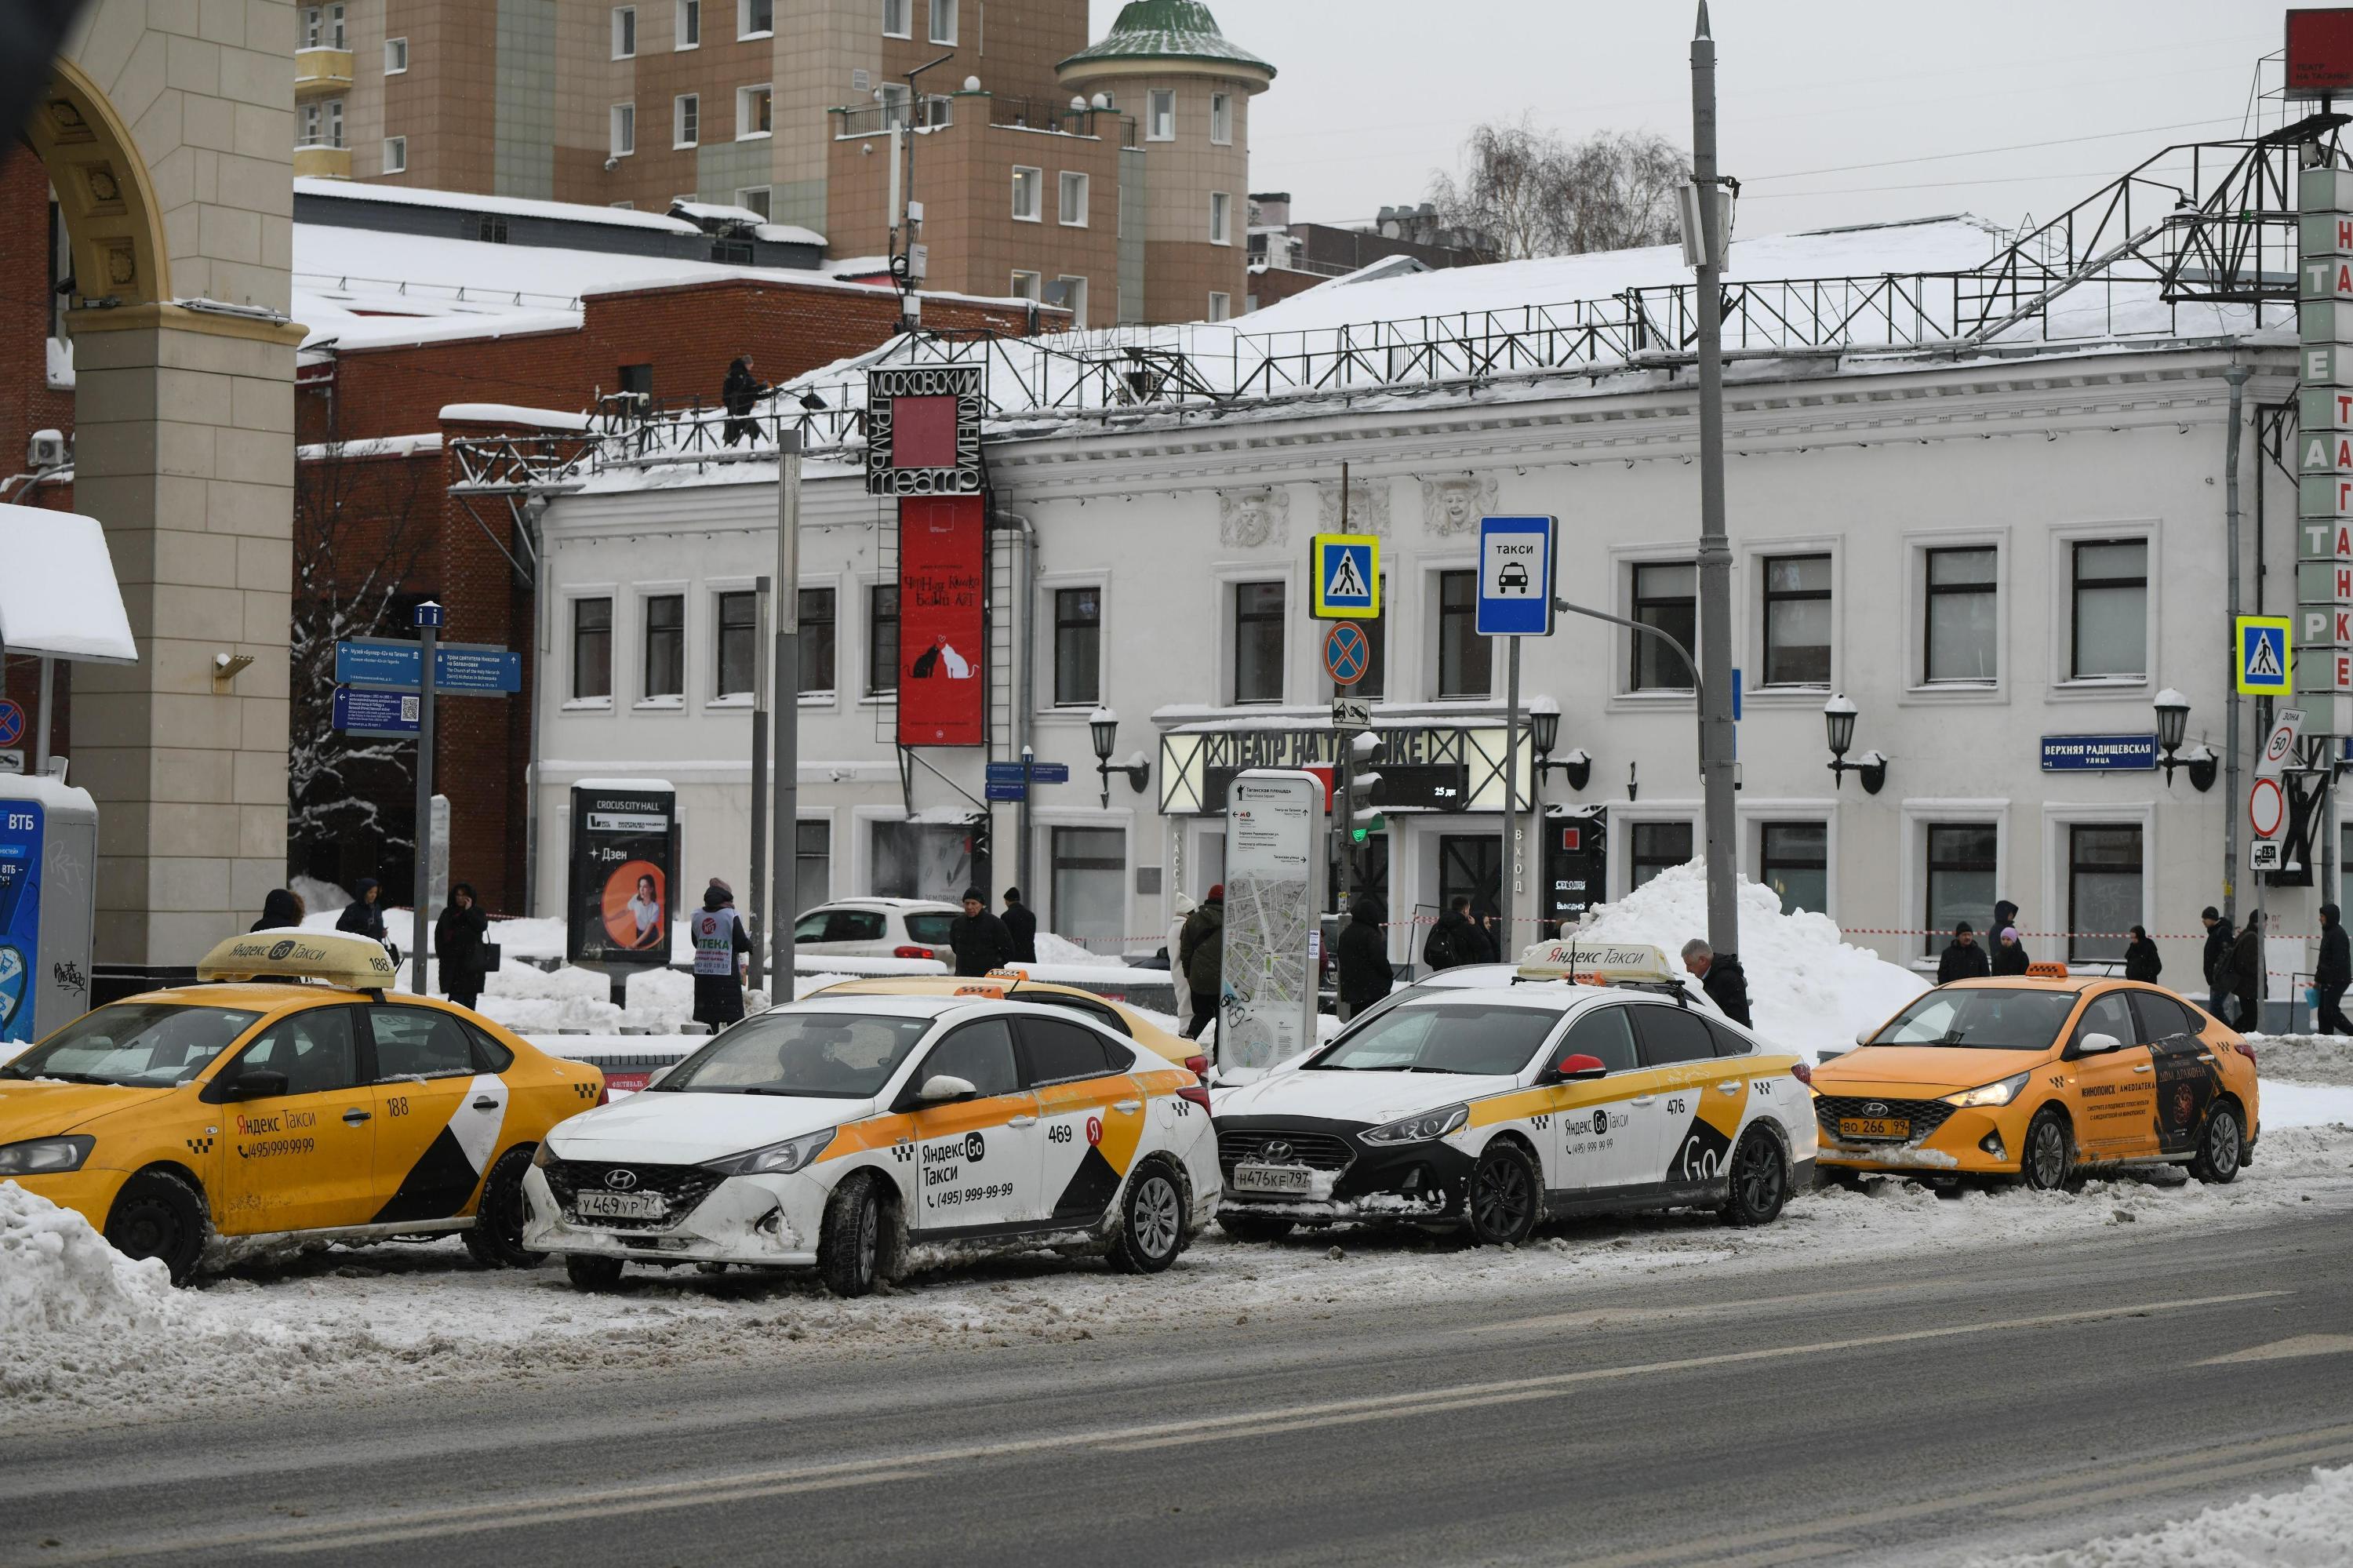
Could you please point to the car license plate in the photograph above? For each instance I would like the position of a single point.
(1274, 1178)
(1874, 1126)
(620, 1205)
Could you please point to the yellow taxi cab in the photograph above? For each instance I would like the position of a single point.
(1002, 985)
(2039, 1076)
(285, 1099)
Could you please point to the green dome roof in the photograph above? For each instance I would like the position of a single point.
(1171, 30)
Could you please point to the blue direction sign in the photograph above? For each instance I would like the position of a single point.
(375, 713)
(459, 669)
(1043, 772)
(999, 789)
(2099, 753)
(1515, 576)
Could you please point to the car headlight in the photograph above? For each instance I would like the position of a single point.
(1421, 1129)
(1999, 1094)
(776, 1158)
(45, 1156)
(543, 1156)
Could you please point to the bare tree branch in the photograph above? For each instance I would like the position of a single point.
(1526, 193)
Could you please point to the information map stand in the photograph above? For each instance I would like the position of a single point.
(1274, 857)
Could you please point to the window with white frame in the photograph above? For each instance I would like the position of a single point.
(1796, 620)
(756, 19)
(752, 109)
(592, 648)
(1258, 642)
(1027, 186)
(1160, 115)
(1657, 847)
(881, 639)
(1222, 219)
(395, 56)
(1071, 293)
(664, 670)
(817, 641)
(897, 18)
(686, 30)
(754, 199)
(334, 123)
(812, 863)
(1221, 118)
(1027, 286)
(624, 32)
(1221, 307)
(686, 120)
(1073, 214)
(1466, 663)
(625, 129)
(2103, 888)
(1090, 886)
(895, 99)
(321, 27)
(1793, 859)
(1078, 647)
(1960, 589)
(1665, 596)
(2108, 630)
(396, 155)
(944, 21)
(738, 653)
(1961, 863)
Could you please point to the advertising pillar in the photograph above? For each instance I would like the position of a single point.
(624, 864)
(2324, 615)
(48, 856)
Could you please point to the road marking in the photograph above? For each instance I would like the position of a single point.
(1613, 1317)
(2284, 1350)
(2125, 1489)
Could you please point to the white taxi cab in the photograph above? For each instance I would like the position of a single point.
(1593, 1084)
(862, 1136)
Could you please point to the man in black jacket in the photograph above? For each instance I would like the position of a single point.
(1963, 958)
(2217, 962)
(2334, 972)
(1362, 953)
(1455, 940)
(2249, 974)
(1021, 925)
(1721, 976)
(980, 939)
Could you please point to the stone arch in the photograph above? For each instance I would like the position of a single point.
(105, 194)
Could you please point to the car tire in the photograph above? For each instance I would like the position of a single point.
(592, 1271)
(1256, 1227)
(1505, 1201)
(159, 1214)
(1151, 1217)
(1759, 1180)
(850, 1245)
(2047, 1161)
(495, 1238)
(2221, 1147)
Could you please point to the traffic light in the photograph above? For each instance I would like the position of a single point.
(1357, 816)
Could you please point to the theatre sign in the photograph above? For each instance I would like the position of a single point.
(1422, 768)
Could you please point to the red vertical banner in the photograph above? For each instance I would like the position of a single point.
(942, 621)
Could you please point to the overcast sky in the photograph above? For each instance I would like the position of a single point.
(1375, 94)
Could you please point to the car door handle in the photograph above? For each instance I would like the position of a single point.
(1021, 1121)
(1127, 1107)
(1644, 1099)
(354, 1117)
(484, 1102)
(2205, 1055)
(1729, 1086)
(2142, 1068)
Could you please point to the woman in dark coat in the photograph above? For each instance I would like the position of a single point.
(2247, 974)
(2009, 957)
(1361, 951)
(458, 939)
(280, 907)
(361, 916)
(2141, 962)
(719, 943)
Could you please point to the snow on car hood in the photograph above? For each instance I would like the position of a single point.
(659, 1127)
(1366, 1096)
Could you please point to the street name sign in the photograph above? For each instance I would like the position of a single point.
(459, 669)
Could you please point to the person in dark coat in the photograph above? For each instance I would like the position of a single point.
(458, 940)
(980, 939)
(1721, 976)
(1455, 939)
(2008, 954)
(720, 943)
(2005, 917)
(1021, 925)
(362, 916)
(741, 392)
(1201, 955)
(2216, 962)
(1963, 958)
(1361, 950)
(2247, 974)
(2141, 962)
(2334, 972)
(280, 907)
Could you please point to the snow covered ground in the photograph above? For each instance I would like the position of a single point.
(86, 1335)
(2309, 1528)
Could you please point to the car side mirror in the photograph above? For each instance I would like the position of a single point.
(1865, 1036)
(258, 1083)
(945, 1089)
(2096, 1045)
(1577, 1068)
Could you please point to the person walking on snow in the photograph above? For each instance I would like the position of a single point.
(2141, 962)
(1201, 954)
(363, 915)
(2217, 962)
(720, 942)
(740, 392)
(1021, 925)
(2008, 954)
(1361, 951)
(2247, 975)
(1963, 958)
(980, 939)
(1721, 976)
(2334, 972)
(458, 939)
(1181, 910)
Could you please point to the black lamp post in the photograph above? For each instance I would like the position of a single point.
(1838, 718)
(1102, 725)
(2172, 726)
(1543, 733)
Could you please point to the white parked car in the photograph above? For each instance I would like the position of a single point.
(879, 929)
(849, 1133)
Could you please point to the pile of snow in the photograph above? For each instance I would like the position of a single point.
(2305, 1058)
(1054, 950)
(531, 1001)
(2307, 1529)
(1809, 990)
(322, 902)
(57, 1274)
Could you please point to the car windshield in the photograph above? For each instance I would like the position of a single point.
(1483, 1040)
(825, 1056)
(137, 1045)
(1983, 1019)
(932, 928)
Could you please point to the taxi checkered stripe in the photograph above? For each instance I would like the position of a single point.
(200, 1145)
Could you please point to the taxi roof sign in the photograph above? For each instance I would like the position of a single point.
(1598, 963)
(2046, 971)
(349, 962)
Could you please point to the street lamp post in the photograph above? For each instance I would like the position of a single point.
(1103, 728)
(2172, 727)
(1838, 719)
(1714, 696)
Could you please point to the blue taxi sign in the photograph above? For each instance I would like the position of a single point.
(1515, 576)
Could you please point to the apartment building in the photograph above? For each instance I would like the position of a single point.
(1109, 177)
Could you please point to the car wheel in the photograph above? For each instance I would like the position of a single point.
(159, 1214)
(2221, 1147)
(1760, 1180)
(849, 1241)
(1151, 1221)
(1506, 1195)
(1256, 1227)
(2044, 1164)
(589, 1271)
(496, 1238)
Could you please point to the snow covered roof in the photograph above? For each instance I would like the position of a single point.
(58, 594)
(1167, 30)
(511, 206)
(744, 217)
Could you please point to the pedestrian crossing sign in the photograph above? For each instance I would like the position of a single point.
(2264, 663)
(1347, 576)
